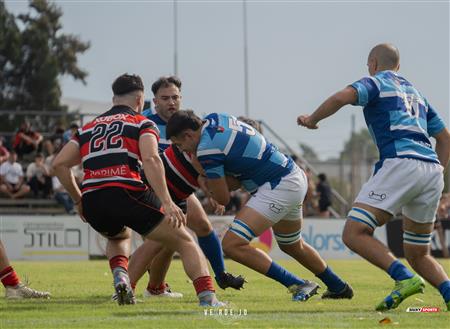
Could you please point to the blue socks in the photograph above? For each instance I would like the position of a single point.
(282, 275)
(399, 272)
(332, 281)
(444, 289)
(212, 249)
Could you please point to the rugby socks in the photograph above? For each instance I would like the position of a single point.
(212, 249)
(283, 276)
(331, 280)
(156, 289)
(203, 283)
(204, 288)
(399, 272)
(9, 277)
(119, 261)
(444, 289)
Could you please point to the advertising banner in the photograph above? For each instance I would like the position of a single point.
(44, 237)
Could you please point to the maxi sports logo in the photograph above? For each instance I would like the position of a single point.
(423, 309)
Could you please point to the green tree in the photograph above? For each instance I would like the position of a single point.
(308, 152)
(9, 57)
(362, 145)
(40, 53)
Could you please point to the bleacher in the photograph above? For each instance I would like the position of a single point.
(30, 207)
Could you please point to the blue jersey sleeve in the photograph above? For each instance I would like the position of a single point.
(434, 122)
(213, 164)
(367, 90)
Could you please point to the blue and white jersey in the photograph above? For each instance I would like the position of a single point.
(399, 118)
(163, 141)
(233, 148)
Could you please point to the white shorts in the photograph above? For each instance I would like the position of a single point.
(410, 185)
(284, 202)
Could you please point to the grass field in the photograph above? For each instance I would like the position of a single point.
(81, 299)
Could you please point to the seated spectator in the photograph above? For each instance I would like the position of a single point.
(27, 142)
(38, 177)
(323, 191)
(70, 132)
(4, 153)
(12, 180)
(62, 197)
(54, 140)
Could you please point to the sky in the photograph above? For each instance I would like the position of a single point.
(299, 53)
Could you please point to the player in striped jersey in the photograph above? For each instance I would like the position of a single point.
(181, 178)
(113, 198)
(408, 177)
(227, 147)
(14, 289)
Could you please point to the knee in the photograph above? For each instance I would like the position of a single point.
(289, 242)
(290, 248)
(414, 255)
(416, 246)
(231, 245)
(201, 226)
(354, 231)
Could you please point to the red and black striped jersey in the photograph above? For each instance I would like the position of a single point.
(181, 176)
(109, 149)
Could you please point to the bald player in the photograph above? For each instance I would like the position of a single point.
(408, 178)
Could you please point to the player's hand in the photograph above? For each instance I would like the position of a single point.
(306, 121)
(174, 214)
(218, 208)
(201, 180)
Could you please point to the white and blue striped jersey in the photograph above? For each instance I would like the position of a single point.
(398, 117)
(163, 141)
(233, 148)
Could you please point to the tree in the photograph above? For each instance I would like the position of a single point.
(308, 152)
(9, 56)
(39, 55)
(362, 145)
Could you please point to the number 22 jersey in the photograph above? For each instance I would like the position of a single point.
(109, 149)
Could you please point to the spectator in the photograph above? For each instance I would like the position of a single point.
(27, 142)
(4, 153)
(70, 132)
(443, 215)
(62, 197)
(12, 182)
(38, 177)
(54, 140)
(323, 191)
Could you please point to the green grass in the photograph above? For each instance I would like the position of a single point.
(82, 290)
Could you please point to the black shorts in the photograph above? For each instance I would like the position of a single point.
(180, 203)
(109, 210)
(323, 205)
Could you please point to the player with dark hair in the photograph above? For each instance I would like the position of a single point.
(113, 197)
(228, 147)
(182, 180)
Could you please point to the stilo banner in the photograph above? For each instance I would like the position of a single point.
(44, 237)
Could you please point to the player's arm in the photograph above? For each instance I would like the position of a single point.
(218, 189)
(155, 174)
(443, 146)
(335, 102)
(66, 159)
